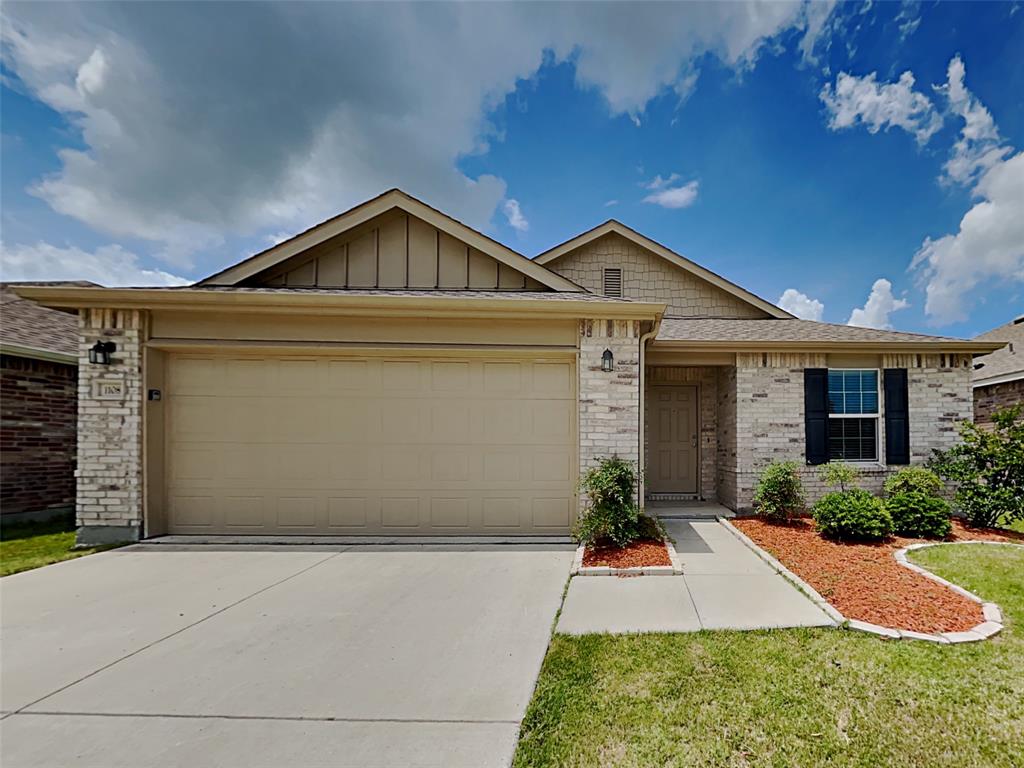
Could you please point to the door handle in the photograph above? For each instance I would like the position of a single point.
(693, 441)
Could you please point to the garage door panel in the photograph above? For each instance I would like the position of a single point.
(365, 444)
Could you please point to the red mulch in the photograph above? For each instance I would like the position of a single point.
(864, 581)
(642, 553)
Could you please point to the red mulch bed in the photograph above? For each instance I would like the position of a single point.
(864, 581)
(642, 553)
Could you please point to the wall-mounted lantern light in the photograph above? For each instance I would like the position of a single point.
(100, 352)
(607, 361)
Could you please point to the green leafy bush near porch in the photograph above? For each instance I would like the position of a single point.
(850, 514)
(915, 505)
(612, 515)
(779, 494)
(988, 468)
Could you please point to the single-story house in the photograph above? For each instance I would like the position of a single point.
(38, 407)
(393, 371)
(999, 377)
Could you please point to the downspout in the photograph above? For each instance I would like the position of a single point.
(641, 456)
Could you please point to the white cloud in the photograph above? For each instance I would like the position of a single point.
(879, 306)
(979, 146)
(109, 265)
(515, 217)
(660, 183)
(801, 305)
(988, 246)
(192, 134)
(610, 203)
(862, 100)
(674, 197)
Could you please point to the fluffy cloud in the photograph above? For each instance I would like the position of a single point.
(109, 265)
(515, 217)
(879, 306)
(862, 100)
(196, 128)
(681, 196)
(801, 305)
(989, 245)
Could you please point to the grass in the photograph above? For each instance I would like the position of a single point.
(790, 697)
(24, 546)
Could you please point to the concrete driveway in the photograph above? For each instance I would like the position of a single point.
(356, 656)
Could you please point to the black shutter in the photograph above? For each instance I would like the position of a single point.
(897, 417)
(816, 414)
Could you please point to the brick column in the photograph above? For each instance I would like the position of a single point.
(110, 403)
(609, 415)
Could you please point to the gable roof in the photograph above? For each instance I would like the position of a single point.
(1007, 362)
(30, 330)
(394, 198)
(617, 227)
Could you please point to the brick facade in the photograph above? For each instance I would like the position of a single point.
(609, 403)
(770, 414)
(996, 397)
(110, 402)
(38, 414)
(648, 277)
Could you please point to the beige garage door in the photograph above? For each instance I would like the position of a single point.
(370, 445)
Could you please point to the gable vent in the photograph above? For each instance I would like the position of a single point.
(613, 283)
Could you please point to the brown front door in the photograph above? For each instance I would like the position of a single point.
(672, 462)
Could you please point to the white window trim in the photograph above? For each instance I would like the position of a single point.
(877, 416)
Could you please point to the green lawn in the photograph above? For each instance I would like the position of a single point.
(792, 697)
(24, 546)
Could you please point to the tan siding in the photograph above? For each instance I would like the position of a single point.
(483, 271)
(422, 254)
(362, 261)
(452, 263)
(331, 268)
(648, 277)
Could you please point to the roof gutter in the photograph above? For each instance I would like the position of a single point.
(936, 345)
(19, 350)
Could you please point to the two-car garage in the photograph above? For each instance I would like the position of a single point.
(385, 443)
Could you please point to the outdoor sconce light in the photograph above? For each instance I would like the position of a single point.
(100, 352)
(607, 361)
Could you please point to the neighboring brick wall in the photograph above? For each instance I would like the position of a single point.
(770, 407)
(706, 379)
(996, 397)
(649, 277)
(609, 415)
(110, 428)
(38, 412)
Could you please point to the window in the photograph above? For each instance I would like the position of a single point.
(613, 283)
(853, 415)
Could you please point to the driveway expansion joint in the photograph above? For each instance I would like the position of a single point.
(286, 718)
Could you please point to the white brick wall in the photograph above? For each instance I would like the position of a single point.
(109, 474)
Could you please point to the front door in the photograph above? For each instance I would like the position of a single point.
(672, 462)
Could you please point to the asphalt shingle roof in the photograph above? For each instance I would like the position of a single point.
(1005, 361)
(781, 330)
(26, 324)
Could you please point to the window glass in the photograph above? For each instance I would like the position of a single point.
(853, 392)
(852, 395)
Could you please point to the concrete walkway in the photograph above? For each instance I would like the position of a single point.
(356, 656)
(724, 586)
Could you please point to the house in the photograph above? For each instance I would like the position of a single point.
(999, 377)
(392, 371)
(38, 407)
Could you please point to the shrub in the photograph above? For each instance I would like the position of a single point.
(852, 514)
(612, 515)
(913, 479)
(779, 494)
(988, 468)
(841, 474)
(915, 513)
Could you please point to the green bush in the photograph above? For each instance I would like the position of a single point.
(913, 479)
(612, 515)
(919, 515)
(853, 514)
(841, 474)
(988, 468)
(779, 494)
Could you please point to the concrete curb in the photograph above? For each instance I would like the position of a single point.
(992, 625)
(676, 569)
(837, 618)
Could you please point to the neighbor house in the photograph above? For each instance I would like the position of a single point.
(393, 371)
(999, 376)
(38, 407)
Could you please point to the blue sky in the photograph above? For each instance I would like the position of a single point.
(781, 146)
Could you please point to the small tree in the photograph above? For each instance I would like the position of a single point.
(779, 494)
(988, 469)
(840, 473)
(612, 514)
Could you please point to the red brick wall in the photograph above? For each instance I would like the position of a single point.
(996, 397)
(38, 420)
